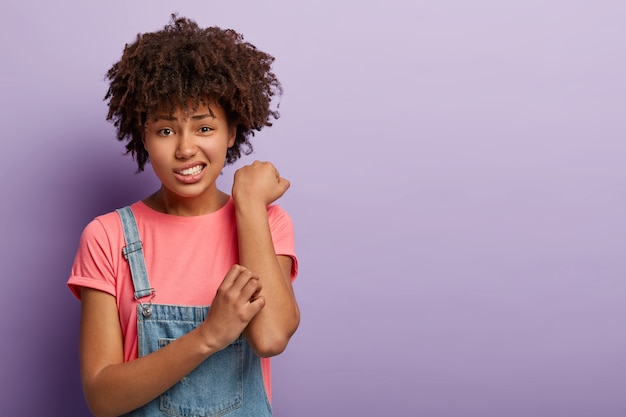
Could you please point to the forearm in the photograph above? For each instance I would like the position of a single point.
(113, 387)
(269, 332)
(119, 388)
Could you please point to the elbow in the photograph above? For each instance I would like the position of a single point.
(98, 405)
(268, 346)
(98, 413)
(267, 343)
(271, 340)
(99, 410)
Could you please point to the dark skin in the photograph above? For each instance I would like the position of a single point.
(256, 296)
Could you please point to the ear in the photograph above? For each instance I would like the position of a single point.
(232, 134)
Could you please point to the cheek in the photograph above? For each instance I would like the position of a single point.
(154, 146)
(216, 148)
(158, 156)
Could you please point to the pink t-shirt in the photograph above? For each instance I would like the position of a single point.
(186, 260)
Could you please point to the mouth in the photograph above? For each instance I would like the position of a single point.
(194, 170)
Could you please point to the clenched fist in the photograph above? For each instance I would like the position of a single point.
(259, 182)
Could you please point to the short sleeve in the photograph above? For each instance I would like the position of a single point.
(282, 230)
(93, 265)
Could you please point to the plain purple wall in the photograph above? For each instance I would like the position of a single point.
(458, 191)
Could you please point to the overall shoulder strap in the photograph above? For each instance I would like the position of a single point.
(133, 253)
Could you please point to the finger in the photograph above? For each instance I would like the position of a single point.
(232, 275)
(256, 306)
(251, 290)
(284, 183)
(259, 164)
(245, 278)
(256, 295)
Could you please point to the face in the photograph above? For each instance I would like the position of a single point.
(188, 149)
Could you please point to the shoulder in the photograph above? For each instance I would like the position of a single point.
(276, 213)
(281, 225)
(108, 227)
(101, 226)
(279, 219)
(283, 236)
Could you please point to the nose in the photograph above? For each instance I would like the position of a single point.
(186, 147)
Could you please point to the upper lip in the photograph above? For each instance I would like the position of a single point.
(187, 166)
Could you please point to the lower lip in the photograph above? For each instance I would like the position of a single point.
(190, 179)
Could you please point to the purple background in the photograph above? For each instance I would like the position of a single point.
(458, 191)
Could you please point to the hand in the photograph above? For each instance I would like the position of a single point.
(258, 182)
(236, 302)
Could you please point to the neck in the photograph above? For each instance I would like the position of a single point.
(168, 203)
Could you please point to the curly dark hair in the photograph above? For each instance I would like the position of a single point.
(182, 63)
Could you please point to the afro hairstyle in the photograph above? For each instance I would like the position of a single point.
(181, 64)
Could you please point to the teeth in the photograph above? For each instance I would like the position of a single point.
(191, 171)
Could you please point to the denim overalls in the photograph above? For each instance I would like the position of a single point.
(228, 383)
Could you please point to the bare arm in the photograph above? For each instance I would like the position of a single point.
(254, 188)
(113, 387)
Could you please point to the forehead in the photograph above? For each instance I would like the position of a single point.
(191, 111)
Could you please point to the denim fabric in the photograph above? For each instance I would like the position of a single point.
(133, 253)
(229, 383)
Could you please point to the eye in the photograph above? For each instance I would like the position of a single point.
(165, 132)
(205, 129)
